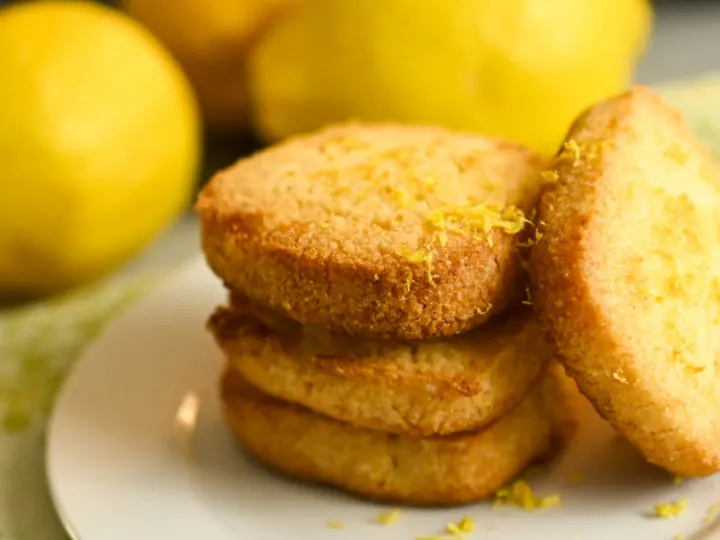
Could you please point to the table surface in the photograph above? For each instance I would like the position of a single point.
(686, 42)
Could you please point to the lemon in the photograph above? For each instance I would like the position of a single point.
(211, 40)
(522, 69)
(99, 143)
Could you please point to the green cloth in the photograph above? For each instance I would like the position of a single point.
(39, 343)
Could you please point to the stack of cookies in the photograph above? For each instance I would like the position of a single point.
(375, 332)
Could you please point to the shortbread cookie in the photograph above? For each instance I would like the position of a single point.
(626, 277)
(380, 466)
(432, 387)
(375, 230)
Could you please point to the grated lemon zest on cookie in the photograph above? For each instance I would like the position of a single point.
(408, 282)
(573, 152)
(422, 255)
(551, 176)
(570, 152)
(528, 297)
(400, 177)
(677, 154)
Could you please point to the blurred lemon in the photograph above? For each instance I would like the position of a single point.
(99, 143)
(211, 40)
(522, 69)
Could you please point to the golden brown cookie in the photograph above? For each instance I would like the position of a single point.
(432, 387)
(626, 278)
(441, 471)
(375, 230)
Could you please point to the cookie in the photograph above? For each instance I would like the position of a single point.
(385, 231)
(425, 471)
(431, 387)
(626, 276)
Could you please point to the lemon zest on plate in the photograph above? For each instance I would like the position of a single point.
(388, 518)
(520, 494)
(670, 510)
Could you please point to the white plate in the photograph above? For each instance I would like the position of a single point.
(137, 450)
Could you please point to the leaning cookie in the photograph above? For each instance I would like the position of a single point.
(375, 230)
(432, 387)
(626, 277)
(437, 471)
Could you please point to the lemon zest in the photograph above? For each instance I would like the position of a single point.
(453, 529)
(520, 494)
(466, 525)
(335, 525)
(441, 237)
(670, 510)
(422, 255)
(710, 513)
(408, 282)
(417, 256)
(428, 262)
(528, 297)
(570, 152)
(675, 153)
(388, 518)
(551, 176)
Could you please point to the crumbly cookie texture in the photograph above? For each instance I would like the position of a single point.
(626, 277)
(430, 387)
(437, 471)
(377, 230)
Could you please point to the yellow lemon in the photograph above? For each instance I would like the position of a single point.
(522, 69)
(211, 40)
(99, 143)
